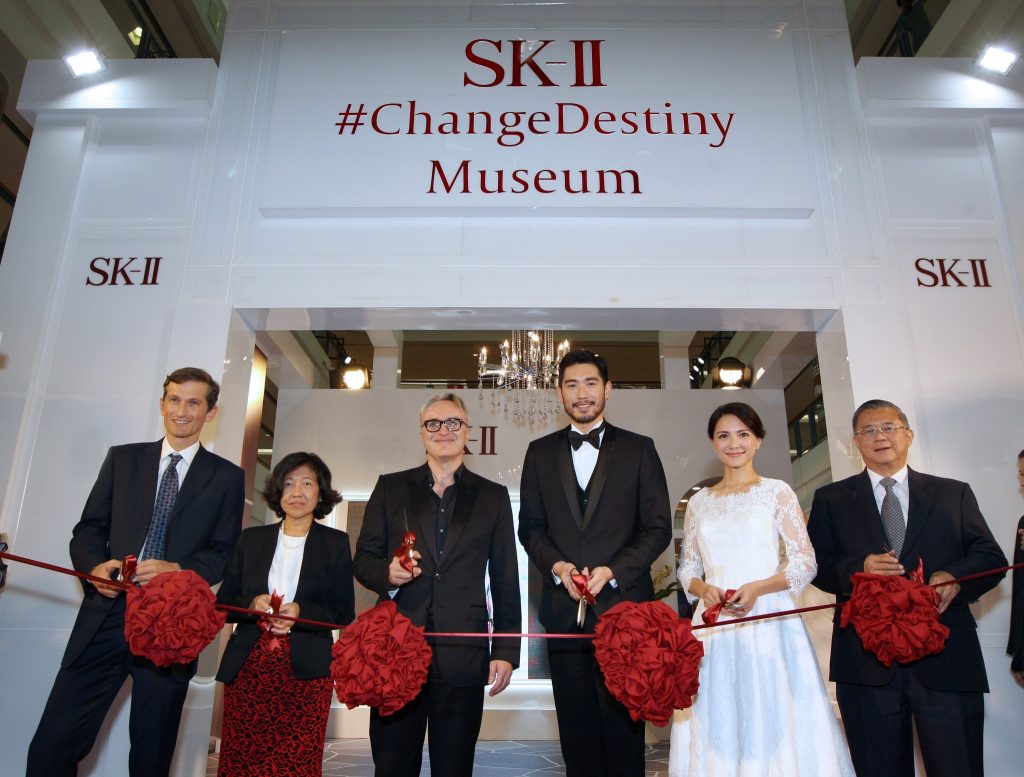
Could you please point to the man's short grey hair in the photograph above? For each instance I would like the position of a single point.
(455, 399)
(879, 404)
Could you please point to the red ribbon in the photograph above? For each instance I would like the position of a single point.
(324, 624)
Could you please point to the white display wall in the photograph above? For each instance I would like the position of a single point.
(837, 202)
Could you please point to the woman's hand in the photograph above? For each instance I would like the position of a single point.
(261, 603)
(710, 595)
(282, 627)
(742, 602)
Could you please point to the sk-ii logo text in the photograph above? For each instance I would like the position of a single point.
(118, 271)
(583, 60)
(959, 273)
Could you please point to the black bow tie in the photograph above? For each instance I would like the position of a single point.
(593, 437)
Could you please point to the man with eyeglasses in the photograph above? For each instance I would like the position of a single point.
(464, 534)
(883, 521)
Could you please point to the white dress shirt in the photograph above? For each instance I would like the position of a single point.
(584, 460)
(901, 489)
(287, 563)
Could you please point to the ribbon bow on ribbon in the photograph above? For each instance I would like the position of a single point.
(712, 613)
(276, 600)
(580, 581)
(404, 551)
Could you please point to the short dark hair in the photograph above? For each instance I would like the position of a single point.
(742, 411)
(1020, 456)
(273, 489)
(582, 356)
(186, 374)
(879, 404)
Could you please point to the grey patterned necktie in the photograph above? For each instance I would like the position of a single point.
(156, 540)
(892, 516)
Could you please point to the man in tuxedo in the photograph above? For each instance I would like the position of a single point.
(464, 535)
(189, 521)
(883, 521)
(594, 502)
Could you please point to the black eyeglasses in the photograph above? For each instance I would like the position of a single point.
(886, 430)
(451, 424)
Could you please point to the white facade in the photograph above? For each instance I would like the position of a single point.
(826, 206)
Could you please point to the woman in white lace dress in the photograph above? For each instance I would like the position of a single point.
(762, 709)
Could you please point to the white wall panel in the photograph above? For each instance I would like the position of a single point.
(160, 157)
(932, 172)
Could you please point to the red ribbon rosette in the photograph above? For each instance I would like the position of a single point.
(895, 617)
(404, 551)
(711, 614)
(171, 618)
(380, 660)
(650, 659)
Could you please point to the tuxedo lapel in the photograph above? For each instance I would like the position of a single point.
(567, 474)
(418, 513)
(866, 512)
(200, 473)
(464, 505)
(600, 476)
(921, 497)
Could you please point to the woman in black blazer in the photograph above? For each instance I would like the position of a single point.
(276, 673)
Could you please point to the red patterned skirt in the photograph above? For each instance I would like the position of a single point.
(273, 723)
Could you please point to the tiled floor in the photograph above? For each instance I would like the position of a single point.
(351, 758)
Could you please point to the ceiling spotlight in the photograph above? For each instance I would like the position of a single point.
(730, 373)
(85, 63)
(997, 59)
(355, 378)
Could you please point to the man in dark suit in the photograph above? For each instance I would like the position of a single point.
(883, 521)
(1015, 644)
(594, 501)
(190, 521)
(464, 534)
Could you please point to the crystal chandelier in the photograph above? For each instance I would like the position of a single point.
(528, 370)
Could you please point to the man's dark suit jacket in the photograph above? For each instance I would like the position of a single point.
(201, 531)
(450, 595)
(324, 593)
(1015, 645)
(945, 528)
(626, 526)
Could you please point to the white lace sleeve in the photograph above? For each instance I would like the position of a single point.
(801, 566)
(690, 564)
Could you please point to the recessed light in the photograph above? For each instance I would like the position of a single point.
(84, 63)
(997, 59)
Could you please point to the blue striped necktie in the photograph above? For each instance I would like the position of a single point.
(156, 540)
